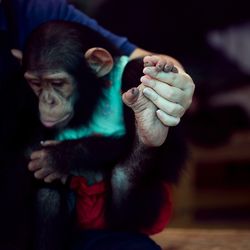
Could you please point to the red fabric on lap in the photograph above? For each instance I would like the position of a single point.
(90, 202)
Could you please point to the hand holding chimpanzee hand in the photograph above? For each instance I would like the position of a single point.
(167, 91)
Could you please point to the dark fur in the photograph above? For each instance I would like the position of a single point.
(61, 45)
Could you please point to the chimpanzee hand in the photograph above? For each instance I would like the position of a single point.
(170, 92)
(150, 129)
(43, 164)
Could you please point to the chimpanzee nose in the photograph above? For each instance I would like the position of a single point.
(48, 98)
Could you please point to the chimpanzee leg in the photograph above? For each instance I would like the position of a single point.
(52, 219)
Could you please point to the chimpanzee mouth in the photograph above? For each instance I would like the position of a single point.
(57, 123)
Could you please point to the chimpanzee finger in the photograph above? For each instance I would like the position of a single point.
(34, 165)
(42, 173)
(160, 65)
(131, 96)
(52, 177)
(147, 60)
(37, 154)
(49, 143)
(175, 70)
(151, 60)
(181, 80)
(168, 67)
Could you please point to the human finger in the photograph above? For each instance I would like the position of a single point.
(171, 108)
(168, 92)
(167, 119)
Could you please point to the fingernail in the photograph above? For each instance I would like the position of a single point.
(145, 79)
(134, 91)
(168, 68)
(146, 64)
(175, 70)
(147, 70)
(159, 67)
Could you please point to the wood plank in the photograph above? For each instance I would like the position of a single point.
(203, 239)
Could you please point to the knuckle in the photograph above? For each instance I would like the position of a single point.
(189, 81)
(30, 166)
(172, 109)
(151, 94)
(189, 102)
(37, 175)
(191, 85)
(170, 94)
(43, 154)
(153, 83)
(146, 58)
(182, 111)
(47, 180)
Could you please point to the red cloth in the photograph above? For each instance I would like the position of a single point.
(90, 201)
(164, 215)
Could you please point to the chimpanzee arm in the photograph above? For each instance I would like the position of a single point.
(137, 191)
(87, 154)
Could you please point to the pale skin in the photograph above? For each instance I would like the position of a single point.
(170, 95)
(159, 102)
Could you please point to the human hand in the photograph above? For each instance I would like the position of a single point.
(43, 166)
(168, 87)
(161, 100)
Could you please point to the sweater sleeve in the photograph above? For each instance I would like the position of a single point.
(31, 13)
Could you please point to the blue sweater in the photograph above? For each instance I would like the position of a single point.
(28, 14)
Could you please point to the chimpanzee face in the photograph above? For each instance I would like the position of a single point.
(56, 92)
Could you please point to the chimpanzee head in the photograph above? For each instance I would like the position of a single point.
(65, 63)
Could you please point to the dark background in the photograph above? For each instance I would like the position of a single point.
(215, 190)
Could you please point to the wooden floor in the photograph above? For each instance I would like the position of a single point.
(203, 239)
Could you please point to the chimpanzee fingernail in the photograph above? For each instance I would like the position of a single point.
(174, 70)
(159, 67)
(134, 91)
(167, 68)
(147, 64)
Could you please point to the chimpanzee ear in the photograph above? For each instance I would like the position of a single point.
(18, 54)
(100, 60)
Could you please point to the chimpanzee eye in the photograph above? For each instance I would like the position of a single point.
(58, 83)
(35, 83)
